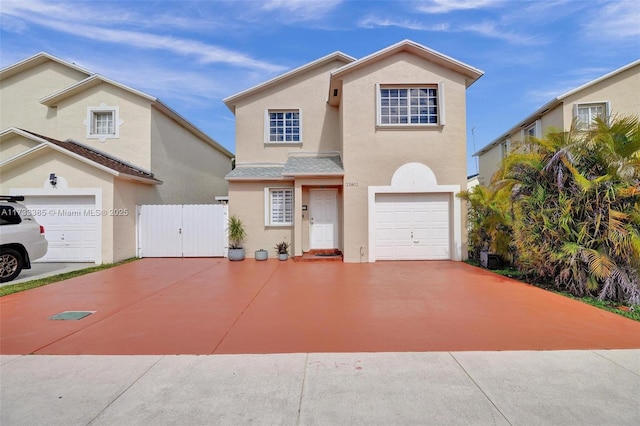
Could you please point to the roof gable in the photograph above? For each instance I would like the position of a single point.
(471, 73)
(83, 153)
(35, 60)
(553, 103)
(336, 56)
(89, 82)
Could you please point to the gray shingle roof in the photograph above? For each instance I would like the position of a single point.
(321, 165)
(257, 172)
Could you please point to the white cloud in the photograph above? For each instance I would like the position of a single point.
(446, 6)
(487, 29)
(58, 17)
(375, 22)
(301, 10)
(617, 20)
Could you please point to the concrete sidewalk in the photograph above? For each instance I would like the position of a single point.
(430, 388)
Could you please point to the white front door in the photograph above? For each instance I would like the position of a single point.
(323, 218)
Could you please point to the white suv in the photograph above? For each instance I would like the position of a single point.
(21, 238)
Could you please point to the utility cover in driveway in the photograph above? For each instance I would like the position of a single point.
(71, 315)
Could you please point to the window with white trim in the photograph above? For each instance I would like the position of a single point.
(420, 105)
(283, 126)
(279, 206)
(504, 148)
(102, 122)
(533, 130)
(586, 113)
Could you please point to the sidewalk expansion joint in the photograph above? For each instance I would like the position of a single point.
(480, 388)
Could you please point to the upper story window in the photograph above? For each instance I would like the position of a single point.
(586, 113)
(410, 105)
(504, 148)
(533, 130)
(103, 122)
(284, 126)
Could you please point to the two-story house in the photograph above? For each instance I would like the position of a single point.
(617, 92)
(85, 150)
(362, 156)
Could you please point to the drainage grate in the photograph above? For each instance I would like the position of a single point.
(71, 315)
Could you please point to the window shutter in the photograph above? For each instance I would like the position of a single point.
(538, 128)
(378, 112)
(441, 105)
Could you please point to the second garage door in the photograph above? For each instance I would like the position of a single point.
(412, 227)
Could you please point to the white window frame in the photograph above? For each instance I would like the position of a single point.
(505, 147)
(89, 123)
(577, 106)
(268, 205)
(440, 105)
(267, 126)
(536, 126)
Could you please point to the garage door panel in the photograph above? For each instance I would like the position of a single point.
(71, 226)
(412, 226)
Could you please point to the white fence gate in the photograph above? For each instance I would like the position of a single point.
(190, 230)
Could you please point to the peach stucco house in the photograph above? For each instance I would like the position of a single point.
(360, 155)
(617, 92)
(86, 150)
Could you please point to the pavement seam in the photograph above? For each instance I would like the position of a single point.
(480, 388)
(304, 378)
(615, 363)
(136, 380)
(245, 310)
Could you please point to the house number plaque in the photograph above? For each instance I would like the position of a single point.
(351, 184)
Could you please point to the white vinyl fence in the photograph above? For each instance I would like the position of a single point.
(190, 230)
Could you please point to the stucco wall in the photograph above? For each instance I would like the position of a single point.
(248, 203)
(33, 173)
(307, 92)
(192, 171)
(20, 95)
(12, 146)
(134, 141)
(371, 155)
(622, 91)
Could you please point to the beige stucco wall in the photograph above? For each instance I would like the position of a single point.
(192, 171)
(247, 201)
(20, 95)
(134, 141)
(125, 196)
(12, 146)
(33, 173)
(307, 92)
(371, 155)
(622, 91)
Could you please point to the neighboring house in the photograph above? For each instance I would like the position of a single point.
(615, 93)
(472, 181)
(363, 156)
(85, 150)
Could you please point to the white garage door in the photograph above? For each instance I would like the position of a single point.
(70, 224)
(412, 227)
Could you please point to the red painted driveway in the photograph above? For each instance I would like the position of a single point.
(205, 306)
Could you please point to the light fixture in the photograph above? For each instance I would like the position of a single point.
(53, 179)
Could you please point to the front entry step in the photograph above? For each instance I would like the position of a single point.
(320, 255)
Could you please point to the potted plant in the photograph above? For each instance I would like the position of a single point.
(237, 235)
(261, 254)
(282, 248)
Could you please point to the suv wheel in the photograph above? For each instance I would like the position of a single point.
(10, 264)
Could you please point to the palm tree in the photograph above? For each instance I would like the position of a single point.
(576, 208)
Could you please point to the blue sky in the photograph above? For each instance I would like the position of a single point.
(192, 54)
